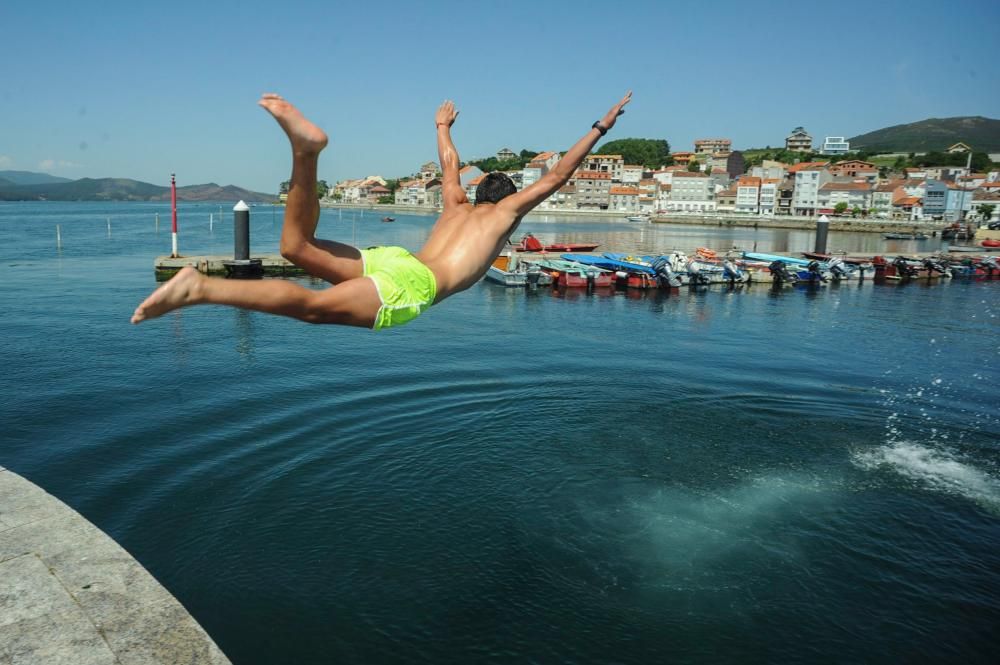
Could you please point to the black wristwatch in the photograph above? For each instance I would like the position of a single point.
(599, 127)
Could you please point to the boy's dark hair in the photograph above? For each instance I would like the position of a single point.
(493, 187)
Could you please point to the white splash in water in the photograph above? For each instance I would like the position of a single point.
(936, 469)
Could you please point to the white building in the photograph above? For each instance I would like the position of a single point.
(835, 145)
(854, 194)
(610, 164)
(769, 195)
(805, 198)
(631, 174)
(748, 195)
(691, 192)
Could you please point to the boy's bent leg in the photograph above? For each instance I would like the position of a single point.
(332, 261)
(355, 302)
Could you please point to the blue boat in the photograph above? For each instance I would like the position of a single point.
(609, 263)
(754, 256)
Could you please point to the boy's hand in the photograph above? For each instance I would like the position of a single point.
(446, 114)
(608, 121)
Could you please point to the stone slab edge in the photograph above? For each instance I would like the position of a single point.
(71, 594)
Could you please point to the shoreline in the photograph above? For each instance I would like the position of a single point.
(746, 221)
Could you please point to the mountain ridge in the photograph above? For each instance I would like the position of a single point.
(933, 134)
(124, 189)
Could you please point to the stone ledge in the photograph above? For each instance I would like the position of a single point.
(70, 594)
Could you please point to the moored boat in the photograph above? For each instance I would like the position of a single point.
(508, 271)
(530, 243)
(571, 274)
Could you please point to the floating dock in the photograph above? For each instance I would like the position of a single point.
(273, 265)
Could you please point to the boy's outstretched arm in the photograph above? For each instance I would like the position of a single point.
(452, 191)
(522, 202)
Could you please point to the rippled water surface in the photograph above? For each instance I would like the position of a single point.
(714, 475)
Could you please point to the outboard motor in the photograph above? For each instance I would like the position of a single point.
(903, 267)
(665, 275)
(990, 265)
(838, 268)
(679, 263)
(732, 272)
(815, 272)
(781, 274)
(933, 266)
(697, 276)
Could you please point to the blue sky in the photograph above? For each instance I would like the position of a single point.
(140, 90)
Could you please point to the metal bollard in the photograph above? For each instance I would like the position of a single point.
(241, 231)
(242, 266)
(822, 228)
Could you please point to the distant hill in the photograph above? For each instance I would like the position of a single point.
(982, 134)
(124, 189)
(29, 178)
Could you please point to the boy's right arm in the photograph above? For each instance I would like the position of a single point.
(521, 203)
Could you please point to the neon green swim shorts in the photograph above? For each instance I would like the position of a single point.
(405, 286)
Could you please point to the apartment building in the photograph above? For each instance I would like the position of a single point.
(691, 192)
(805, 196)
(854, 194)
(835, 145)
(748, 195)
(592, 189)
(799, 141)
(610, 164)
(712, 146)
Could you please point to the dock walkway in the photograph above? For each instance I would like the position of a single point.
(69, 594)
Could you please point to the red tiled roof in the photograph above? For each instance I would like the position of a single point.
(807, 166)
(625, 191)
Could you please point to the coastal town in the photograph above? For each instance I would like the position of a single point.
(715, 179)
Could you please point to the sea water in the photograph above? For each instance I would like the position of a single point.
(713, 475)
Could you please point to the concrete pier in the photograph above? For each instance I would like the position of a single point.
(69, 594)
(273, 265)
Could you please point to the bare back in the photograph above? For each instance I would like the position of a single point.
(463, 243)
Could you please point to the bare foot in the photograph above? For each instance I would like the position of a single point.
(181, 290)
(305, 136)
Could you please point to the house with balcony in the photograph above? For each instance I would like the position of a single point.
(854, 168)
(563, 199)
(769, 196)
(908, 208)
(610, 164)
(959, 147)
(769, 169)
(712, 146)
(854, 194)
(682, 158)
(505, 154)
(623, 199)
(725, 200)
(414, 192)
(835, 145)
(799, 141)
(429, 171)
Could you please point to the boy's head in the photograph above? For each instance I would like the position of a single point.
(494, 187)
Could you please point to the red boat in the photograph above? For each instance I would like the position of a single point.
(530, 243)
(990, 242)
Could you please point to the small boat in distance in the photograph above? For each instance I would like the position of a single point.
(905, 236)
(638, 218)
(388, 219)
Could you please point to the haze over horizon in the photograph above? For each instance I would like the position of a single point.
(146, 91)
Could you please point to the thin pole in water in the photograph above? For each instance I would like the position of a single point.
(58, 238)
(157, 227)
(173, 212)
(210, 221)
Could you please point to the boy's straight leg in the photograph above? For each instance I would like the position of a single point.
(355, 302)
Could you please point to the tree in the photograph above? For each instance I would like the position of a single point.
(283, 188)
(651, 153)
(321, 189)
(986, 210)
(528, 154)
(856, 211)
(385, 199)
(840, 208)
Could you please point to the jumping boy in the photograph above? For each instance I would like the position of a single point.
(385, 286)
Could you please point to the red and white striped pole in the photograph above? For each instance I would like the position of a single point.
(173, 209)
